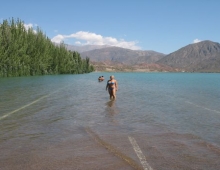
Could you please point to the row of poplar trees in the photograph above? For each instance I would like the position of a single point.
(28, 52)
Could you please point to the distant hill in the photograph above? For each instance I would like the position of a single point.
(200, 57)
(122, 55)
(83, 48)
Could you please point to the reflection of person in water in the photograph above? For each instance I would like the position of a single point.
(112, 110)
(112, 87)
(110, 103)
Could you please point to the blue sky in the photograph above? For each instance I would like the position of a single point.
(160, 25)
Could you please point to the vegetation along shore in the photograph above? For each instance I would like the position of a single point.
(28, 52)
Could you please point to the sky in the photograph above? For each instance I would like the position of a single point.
(160, 25)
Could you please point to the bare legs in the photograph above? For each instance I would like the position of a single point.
(112, 94)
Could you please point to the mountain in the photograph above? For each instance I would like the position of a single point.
(200, 57)
(122, 55)
(83, 48)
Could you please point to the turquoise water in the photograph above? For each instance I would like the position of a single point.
(160, 110)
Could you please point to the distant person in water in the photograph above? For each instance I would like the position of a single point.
(112, 87)
(101, 78)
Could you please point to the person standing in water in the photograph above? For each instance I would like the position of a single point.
(112, 87)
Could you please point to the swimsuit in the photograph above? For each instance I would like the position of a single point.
(111, 88)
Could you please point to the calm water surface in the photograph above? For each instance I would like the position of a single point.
(53, 122)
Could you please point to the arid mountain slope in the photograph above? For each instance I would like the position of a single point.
(122, 55)
(200, 57)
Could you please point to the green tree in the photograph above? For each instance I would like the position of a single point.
(25, 52)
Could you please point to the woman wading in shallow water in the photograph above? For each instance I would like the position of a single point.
(112, 87)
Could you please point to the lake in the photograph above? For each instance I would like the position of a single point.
(158, 121)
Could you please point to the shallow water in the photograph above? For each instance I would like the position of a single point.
(68, 122)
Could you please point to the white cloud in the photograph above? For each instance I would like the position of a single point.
(27, 26)
(96, 39)
(78, 43)
(58, 39)
(196, 40)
